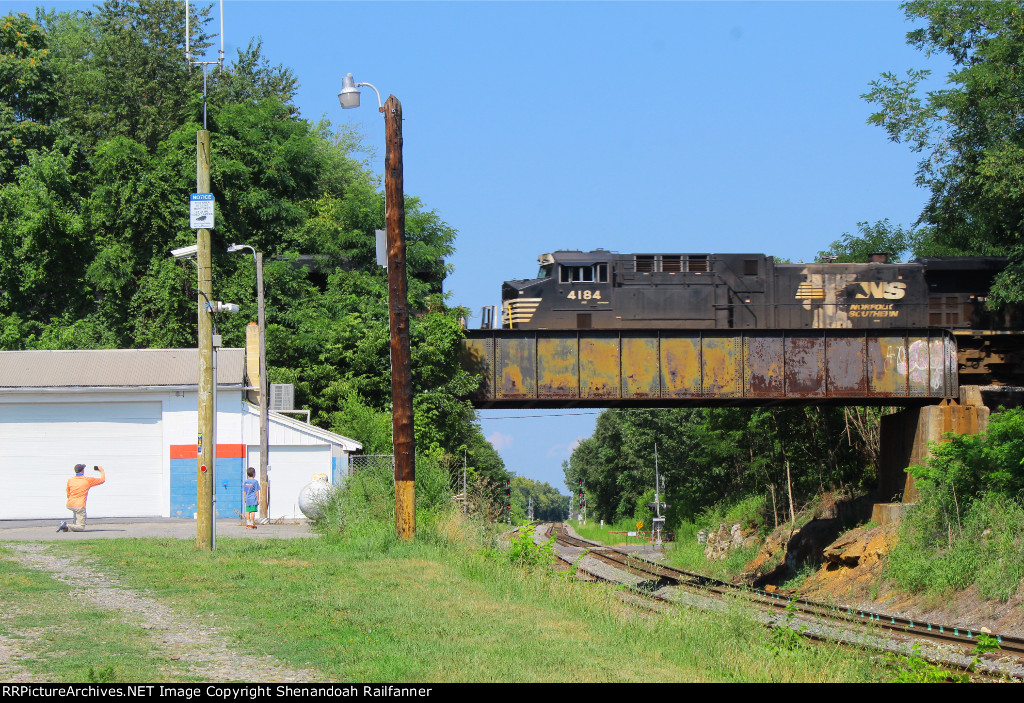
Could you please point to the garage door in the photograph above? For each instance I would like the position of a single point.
(291, 468)
(41, 442)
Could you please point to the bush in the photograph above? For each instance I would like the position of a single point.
(968, 526)
(936, 553)
(525, 551)
(967, 465)
(748, 511)
(363, 507)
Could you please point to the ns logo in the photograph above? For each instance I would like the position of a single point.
(882, 289)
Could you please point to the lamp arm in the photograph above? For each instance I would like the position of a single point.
(380, 105)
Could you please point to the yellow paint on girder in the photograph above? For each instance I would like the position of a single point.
(721, 362)
(516, 375)
(599, 367)
(640, 370)
(557, 373)
(680, 366)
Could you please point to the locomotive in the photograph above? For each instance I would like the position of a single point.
(602, 290)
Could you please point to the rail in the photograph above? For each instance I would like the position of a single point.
(666, 575)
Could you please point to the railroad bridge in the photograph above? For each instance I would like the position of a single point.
(672, 368)
(913, 368)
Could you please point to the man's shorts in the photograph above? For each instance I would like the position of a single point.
(251, 508)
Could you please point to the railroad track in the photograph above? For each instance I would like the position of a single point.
(658, 575)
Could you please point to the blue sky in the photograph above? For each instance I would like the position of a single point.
(632, 126)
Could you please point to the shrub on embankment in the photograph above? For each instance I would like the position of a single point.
(968, 526)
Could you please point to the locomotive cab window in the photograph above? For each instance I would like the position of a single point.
(592, 273)
(545, 271)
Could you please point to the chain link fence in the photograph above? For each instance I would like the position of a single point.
(363, 462)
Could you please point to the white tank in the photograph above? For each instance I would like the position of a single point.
(313, 495)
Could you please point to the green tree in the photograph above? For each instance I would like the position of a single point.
(880, 237)
(969, 133)
(709, 455)
(121, 71)
(28, 104)
(100, 114)
(548, 504)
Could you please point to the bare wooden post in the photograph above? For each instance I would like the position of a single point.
(207, 441)
(401, 373)
(789, 487)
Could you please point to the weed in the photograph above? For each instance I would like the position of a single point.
(570, 573)
(788, 636)
(525, 551)
(104, 675)
(985, 644)
(915, 669)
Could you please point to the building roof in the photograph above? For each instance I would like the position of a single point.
(298, 432)
(115, 368)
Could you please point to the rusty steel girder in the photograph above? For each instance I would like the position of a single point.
(601, 368)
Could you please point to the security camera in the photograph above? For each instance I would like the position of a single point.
(225, 307)
(185, 252)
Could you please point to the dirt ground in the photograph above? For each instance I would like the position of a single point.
(852, 576)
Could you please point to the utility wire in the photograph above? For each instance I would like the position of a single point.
(609, 410)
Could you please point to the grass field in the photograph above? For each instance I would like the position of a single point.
(381, 611)
(61, 638)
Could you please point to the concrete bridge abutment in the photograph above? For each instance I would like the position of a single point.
(904, 438)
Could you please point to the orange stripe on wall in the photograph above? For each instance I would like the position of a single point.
(230, 451)
(184, 451)
(224, 451)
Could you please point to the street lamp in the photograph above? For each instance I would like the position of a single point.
(349, 95)
(264, 381)
(398, 305)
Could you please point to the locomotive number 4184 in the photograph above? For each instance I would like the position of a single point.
(584, 295)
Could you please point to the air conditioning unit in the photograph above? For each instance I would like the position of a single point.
(282, 396)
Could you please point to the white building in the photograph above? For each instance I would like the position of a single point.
(135, 412)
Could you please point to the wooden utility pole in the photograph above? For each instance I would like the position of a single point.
(207, 440)
(401, 373)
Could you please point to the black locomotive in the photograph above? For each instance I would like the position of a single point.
(602, 290)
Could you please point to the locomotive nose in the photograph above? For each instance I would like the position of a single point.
(510, 290)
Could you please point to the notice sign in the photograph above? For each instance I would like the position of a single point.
(201, 210)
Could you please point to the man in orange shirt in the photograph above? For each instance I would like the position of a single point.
(78, 491)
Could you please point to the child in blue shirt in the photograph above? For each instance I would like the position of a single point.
(251, 489)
